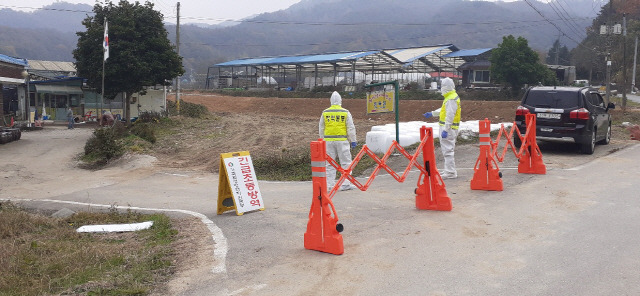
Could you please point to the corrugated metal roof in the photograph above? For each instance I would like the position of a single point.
(408, 55)
(415, 59)
(245, 62)
(304, 59)
(467, 52)
(52, 66)
(58, 89)
(12, 60)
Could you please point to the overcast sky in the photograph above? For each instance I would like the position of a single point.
(191, 11)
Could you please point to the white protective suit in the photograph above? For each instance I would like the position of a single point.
(341, 149)
(448, 144)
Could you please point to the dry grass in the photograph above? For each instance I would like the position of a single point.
(42, 255)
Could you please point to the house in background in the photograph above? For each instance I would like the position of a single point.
(566, 75)
(153, 99)
(49, 99)
(54, 86)
(475, 70)
(12, 91)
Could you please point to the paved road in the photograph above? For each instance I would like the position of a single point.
(573, 231)
(634, 97)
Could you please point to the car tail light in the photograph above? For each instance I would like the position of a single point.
(581, 113)
(522, 111)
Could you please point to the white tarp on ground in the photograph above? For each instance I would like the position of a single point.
(380, 137)
(266, 80)
(116, 227)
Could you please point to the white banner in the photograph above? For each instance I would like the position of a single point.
(244, 184)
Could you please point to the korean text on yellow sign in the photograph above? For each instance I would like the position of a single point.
(380, 101)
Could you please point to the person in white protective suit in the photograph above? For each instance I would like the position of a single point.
(449, 119)
(337, 129)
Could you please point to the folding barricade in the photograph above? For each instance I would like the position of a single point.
(486, 174)
(323, 229)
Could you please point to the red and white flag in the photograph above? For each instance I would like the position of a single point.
(105, 43)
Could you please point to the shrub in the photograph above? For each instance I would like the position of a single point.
(103, 145)
(144, 131)
(150, 116)
(187, 109)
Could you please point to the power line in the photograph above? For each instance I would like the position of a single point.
(564, 19)
(552, 23)
(559, 30)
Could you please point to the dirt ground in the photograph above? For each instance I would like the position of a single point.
(269, 125)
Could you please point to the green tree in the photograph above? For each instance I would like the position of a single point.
(515, 63)
(558, 55)
(140, 53)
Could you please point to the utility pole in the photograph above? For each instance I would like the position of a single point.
(606, 29)
(633, 78)
(624, 62)
(178, 51)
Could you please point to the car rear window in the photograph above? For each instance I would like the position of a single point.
(553, 99)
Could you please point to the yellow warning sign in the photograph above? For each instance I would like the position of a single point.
(237, 185)
(380, 99)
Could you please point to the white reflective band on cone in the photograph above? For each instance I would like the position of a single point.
(319, 174)
(317, 164)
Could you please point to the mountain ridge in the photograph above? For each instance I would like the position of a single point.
(319, 26)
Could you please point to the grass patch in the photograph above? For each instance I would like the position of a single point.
(43, 255)
(187, 109)
(285, 165)
(295, 165)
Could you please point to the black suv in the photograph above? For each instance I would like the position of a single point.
(569, 114)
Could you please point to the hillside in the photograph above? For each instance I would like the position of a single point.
(316, 26)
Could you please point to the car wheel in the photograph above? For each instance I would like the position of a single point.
(589, 147)
(607, 137)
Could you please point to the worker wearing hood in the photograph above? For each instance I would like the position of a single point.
(337, 129)
(449, 115)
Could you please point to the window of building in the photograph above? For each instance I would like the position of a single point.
(61, 101)
(481, 76)
(75, 100)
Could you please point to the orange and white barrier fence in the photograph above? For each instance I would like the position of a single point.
(486, 174)
(323, 229)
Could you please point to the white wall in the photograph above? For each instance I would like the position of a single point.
(152, 101)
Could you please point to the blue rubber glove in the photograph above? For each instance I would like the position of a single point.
(444, 134)
(354, 144)
(427, 115)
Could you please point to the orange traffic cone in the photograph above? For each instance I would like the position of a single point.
(323, 229)
(531, 159)
(431, 193)
(486, 175)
